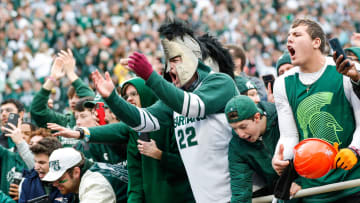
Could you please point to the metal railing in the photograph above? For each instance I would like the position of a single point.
(315, 190)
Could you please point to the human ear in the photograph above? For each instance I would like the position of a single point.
(76, 172)
(316, 43)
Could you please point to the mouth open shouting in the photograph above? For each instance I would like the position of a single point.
(174, 77)
(291, 51)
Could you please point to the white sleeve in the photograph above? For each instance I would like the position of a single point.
(94, 188)
(289, 135)
(26, 154)
(355, 103)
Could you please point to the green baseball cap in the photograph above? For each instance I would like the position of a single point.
(239, 108)
(244, 84)
(355, 50)
(91, 104)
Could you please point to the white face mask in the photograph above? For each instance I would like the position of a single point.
(187, 68)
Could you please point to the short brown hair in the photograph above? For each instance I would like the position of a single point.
(46, 146)
(79, 106)
(313, 29)
(237, 52)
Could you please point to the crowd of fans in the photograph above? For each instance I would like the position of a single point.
(50, 48)
(101, 32)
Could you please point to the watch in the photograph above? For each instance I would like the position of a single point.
(82, 133)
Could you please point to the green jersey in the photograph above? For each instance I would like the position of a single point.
(322, 110)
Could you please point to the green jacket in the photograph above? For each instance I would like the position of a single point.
(42, 114)
(105, 153)
(5, 198)
(245, 158)
(11, 162)
(101, 137)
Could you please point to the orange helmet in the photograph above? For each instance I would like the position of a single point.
(313, 158)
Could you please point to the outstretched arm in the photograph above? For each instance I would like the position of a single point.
(210, 96)
(115, 132)
(140, 119)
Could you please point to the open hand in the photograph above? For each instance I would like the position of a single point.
(103, 85)
(68, 60)
(57, 70)
(62, 131)
(14, 133)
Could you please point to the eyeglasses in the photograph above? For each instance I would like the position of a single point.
(131, 94)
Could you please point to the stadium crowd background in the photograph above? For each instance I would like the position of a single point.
(100, 33)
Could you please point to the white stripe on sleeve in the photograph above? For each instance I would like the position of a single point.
(193, 106)
(148, 122)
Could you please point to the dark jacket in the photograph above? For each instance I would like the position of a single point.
(33, 187)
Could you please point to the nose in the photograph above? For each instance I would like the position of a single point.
(240, 133)
(36, 166)
(290, 39)
(172, 67)
(129, 99)
(257, 99)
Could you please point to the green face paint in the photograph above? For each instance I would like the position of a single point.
(63, 181)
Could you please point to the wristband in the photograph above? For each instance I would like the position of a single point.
(355, 150)
(52, 79)
(84, 133)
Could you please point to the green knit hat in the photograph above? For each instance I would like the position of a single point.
(244, 84)
(284, 59)
(355, 50)
(239, 108)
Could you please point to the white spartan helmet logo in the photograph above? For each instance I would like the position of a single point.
(249, 85)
